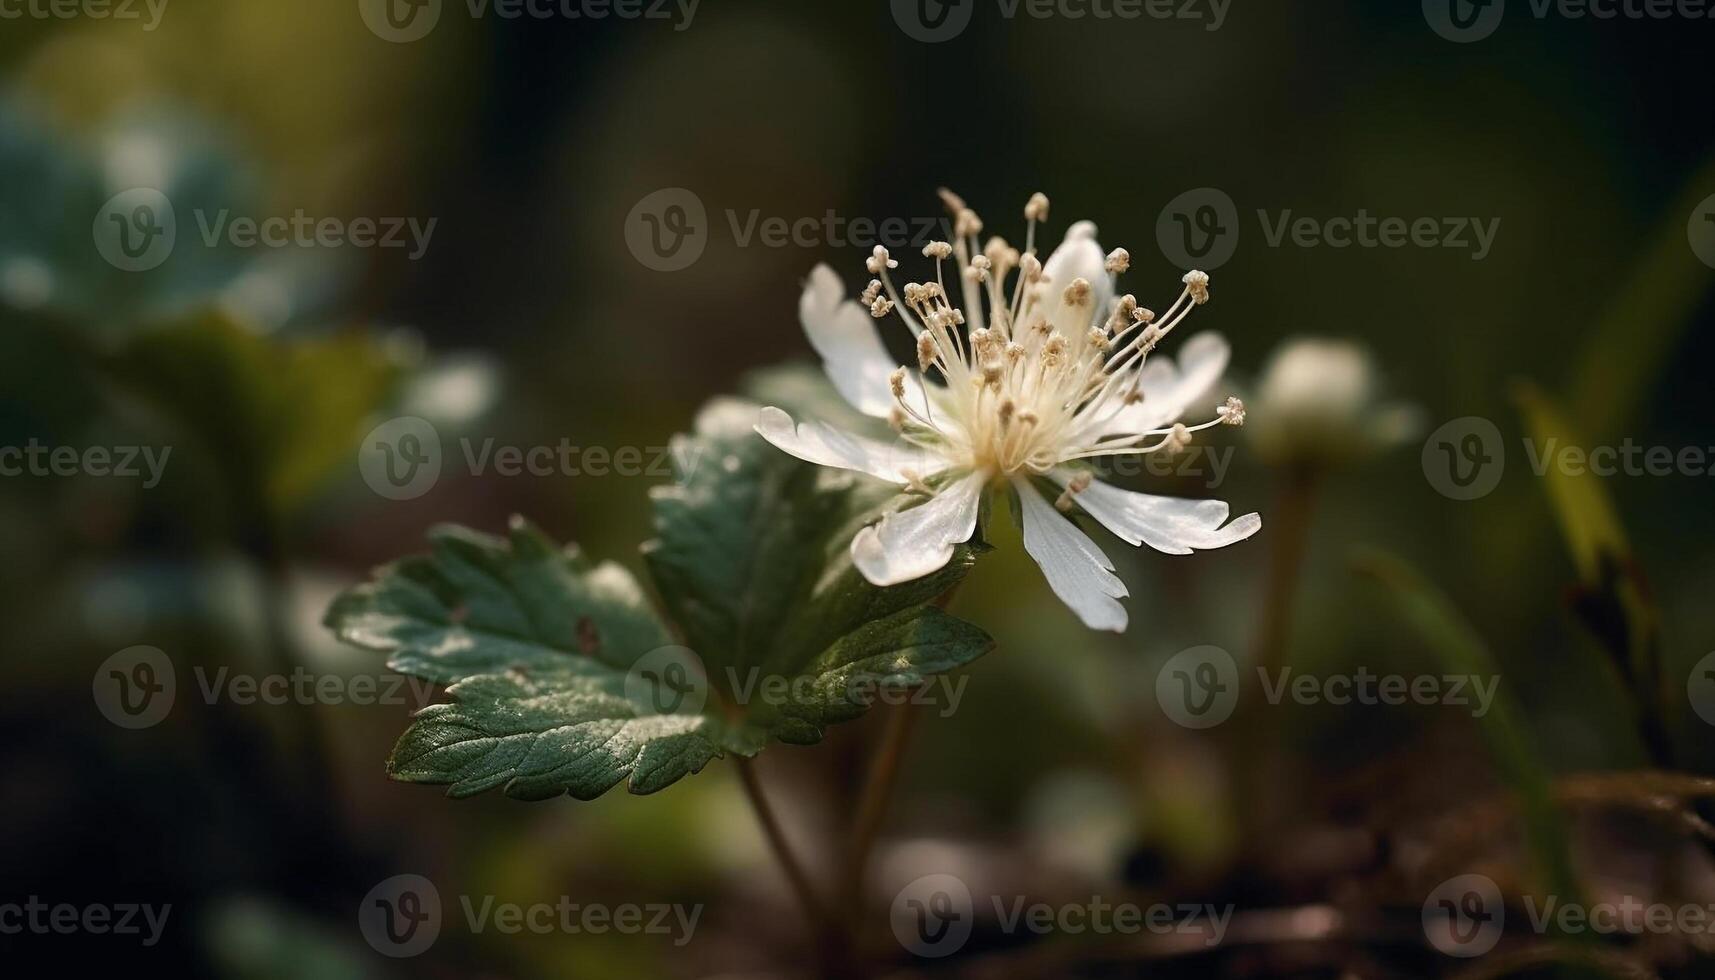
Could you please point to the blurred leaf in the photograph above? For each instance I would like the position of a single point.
(1452, 638)
(1652, 309)
(1612, 599)
(753, 561)
(277, 414)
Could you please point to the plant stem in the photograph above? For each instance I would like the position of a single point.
(1258, 784)
(821, 925)
(877, 793)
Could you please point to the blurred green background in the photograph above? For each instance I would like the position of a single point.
(528, 319)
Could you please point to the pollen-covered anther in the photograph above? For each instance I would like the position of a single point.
(991, 375)
(1078, 293)
(926, 351)
(1078, 484)
(937, 250)
(1098, 338)
(871, 291)
(1143, 314)
(1054, 351)
(896, 382)
(978, 270)
(914, 483)
(913, 293)
(1036, 209)
(1123, 312)
(1031, 267)
(1177, 441)
(966, 223)
(1119, 260)
(1233, 412)
(880, 307)
(879, 261)
(1198, 284)
(1015, 352)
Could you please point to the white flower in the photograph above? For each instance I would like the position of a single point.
(1319, 401)
(1022, 385)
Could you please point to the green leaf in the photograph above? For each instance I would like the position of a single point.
(539, 644)
(278, 415)
(752, 560)
(1613, 598)
(478, 604)
(541, 739)
(561, 672)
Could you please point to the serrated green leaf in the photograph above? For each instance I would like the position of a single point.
(752, 560)
(537, 642)
(542, 647)
(478, 604)
(542, 739)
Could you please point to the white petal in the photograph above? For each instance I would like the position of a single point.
(1078, 572)
(1078, 257)
(845, 336)
(913, 543)
(825, 445)
(1169, 388)
(1173, 525)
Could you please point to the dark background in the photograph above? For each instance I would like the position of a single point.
(529, 320)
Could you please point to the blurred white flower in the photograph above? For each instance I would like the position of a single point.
(1318, 401)
(1051, 373)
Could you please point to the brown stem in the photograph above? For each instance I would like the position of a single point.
(822, 927)
(872, 808)
(1260, 783)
